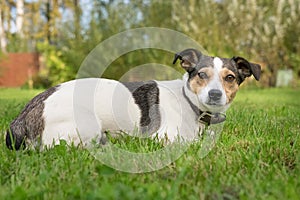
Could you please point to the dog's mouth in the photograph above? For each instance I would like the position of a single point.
(214, 107)
(214, 103)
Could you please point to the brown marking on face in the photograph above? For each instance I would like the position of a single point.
(230, 86)
(197, 83)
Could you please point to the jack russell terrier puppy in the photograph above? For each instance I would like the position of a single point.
(167, 109)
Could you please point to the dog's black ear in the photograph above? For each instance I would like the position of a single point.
(188, 59)
(246, 69)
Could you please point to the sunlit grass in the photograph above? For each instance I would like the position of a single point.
(256, 157)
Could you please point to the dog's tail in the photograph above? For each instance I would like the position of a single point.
(15, 136)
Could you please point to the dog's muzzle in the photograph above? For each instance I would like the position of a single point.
(205, 117)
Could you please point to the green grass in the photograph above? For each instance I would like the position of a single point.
(256, 157)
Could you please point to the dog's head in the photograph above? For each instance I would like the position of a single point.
(215, 80)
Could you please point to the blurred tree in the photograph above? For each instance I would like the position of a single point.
(19, 17)
(50, 10)
(5, 21)
(3, 42)
(56, 70)
(202, 21)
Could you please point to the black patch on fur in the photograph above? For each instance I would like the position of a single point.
(231, 65)
(29, 125)
(205, 61)
(146, 96)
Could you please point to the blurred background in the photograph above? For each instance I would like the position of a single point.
(43, 42)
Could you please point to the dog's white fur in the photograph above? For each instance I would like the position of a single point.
(114, 110)
(68, 116)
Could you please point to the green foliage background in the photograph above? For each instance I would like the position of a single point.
(64, 32)
(256, 157)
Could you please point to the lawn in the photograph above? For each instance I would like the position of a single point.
(256, 157)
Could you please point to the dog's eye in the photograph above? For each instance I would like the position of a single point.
(202, 75)
(229, 78)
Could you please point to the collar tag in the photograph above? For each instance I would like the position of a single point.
(210, 118)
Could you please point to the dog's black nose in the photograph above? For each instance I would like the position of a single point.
(215, 94)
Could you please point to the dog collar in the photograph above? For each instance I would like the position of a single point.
(204, 116)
